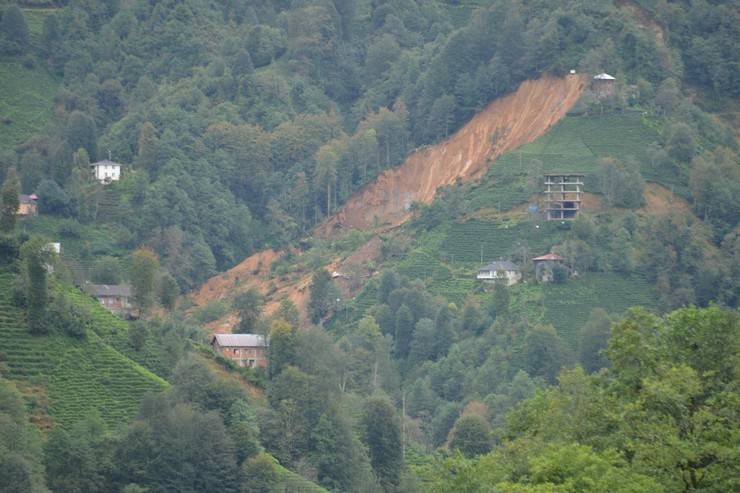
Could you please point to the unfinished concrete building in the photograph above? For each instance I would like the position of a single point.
(563, 194)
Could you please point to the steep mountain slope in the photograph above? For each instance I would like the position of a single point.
(504, 124)
(72, 377)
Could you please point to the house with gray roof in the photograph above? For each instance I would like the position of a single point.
(243, 349)
(503, 271)
(115, 297)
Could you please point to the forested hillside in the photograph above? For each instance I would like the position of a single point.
(334, 175)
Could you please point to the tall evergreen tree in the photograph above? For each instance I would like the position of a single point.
(35, 256)
(144, 265)
(382, 435)
(322, 292)
(9, 201)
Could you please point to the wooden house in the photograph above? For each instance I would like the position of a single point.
(603, 85)
(116, 298)
(243, 349)
(544, 264)
(27, 205)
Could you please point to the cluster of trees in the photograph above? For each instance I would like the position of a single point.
(249, 140)
(662, 418)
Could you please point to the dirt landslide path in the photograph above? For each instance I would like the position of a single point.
(504, 124)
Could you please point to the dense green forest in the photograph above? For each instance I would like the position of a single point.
(242, 124)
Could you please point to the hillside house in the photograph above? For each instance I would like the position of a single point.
(243, 349)
(502, 271)
(116, 298)
(106, 171)
(544, 264)
(603, 85)
(27, 205)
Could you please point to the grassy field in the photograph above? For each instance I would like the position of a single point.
(26, 88)
(477, 241)
(80, 376)
(115, 332)
(567, 306)
(26, 101)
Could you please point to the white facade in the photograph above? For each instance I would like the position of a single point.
(106, 171)
(500, 271)
(510, 276)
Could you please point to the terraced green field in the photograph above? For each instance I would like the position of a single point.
(479, 241)
(114, 331)
(26, 101)
(576, 144)
(80, 377)
(568, 306)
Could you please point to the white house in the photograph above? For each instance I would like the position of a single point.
(500, 270)
(106, 171)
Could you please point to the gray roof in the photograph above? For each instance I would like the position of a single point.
(106, 162)
(27, 199)
(500, 265)
(99, 290)
(240, 340)
(604, 76)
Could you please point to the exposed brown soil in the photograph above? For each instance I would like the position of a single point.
(504, 124)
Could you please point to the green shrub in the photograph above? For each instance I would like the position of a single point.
(210, 312)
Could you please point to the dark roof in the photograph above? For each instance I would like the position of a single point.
(549, 256)
(106, 162)
(239, 340)
(27, 199)
(99, 290)
(500, 265)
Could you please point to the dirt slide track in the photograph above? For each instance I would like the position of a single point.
(504, 124)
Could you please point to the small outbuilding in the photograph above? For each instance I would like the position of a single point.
(243, 349)
(27, 205)
(603, 85)
(544, 265)
(502, 271)
(106, 171)
(115, 297)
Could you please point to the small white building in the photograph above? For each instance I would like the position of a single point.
(500, 271)
(106, 171)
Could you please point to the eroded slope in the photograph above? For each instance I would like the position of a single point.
(504, 124)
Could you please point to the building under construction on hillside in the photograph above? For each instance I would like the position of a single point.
(563, 194)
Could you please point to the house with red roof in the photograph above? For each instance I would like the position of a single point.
(544, 264)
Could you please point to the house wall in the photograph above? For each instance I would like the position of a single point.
(116, 304)
(543, 269)
(603, 88)
(244, 356)
(107, 173)
(27, 210)
(511, 277)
